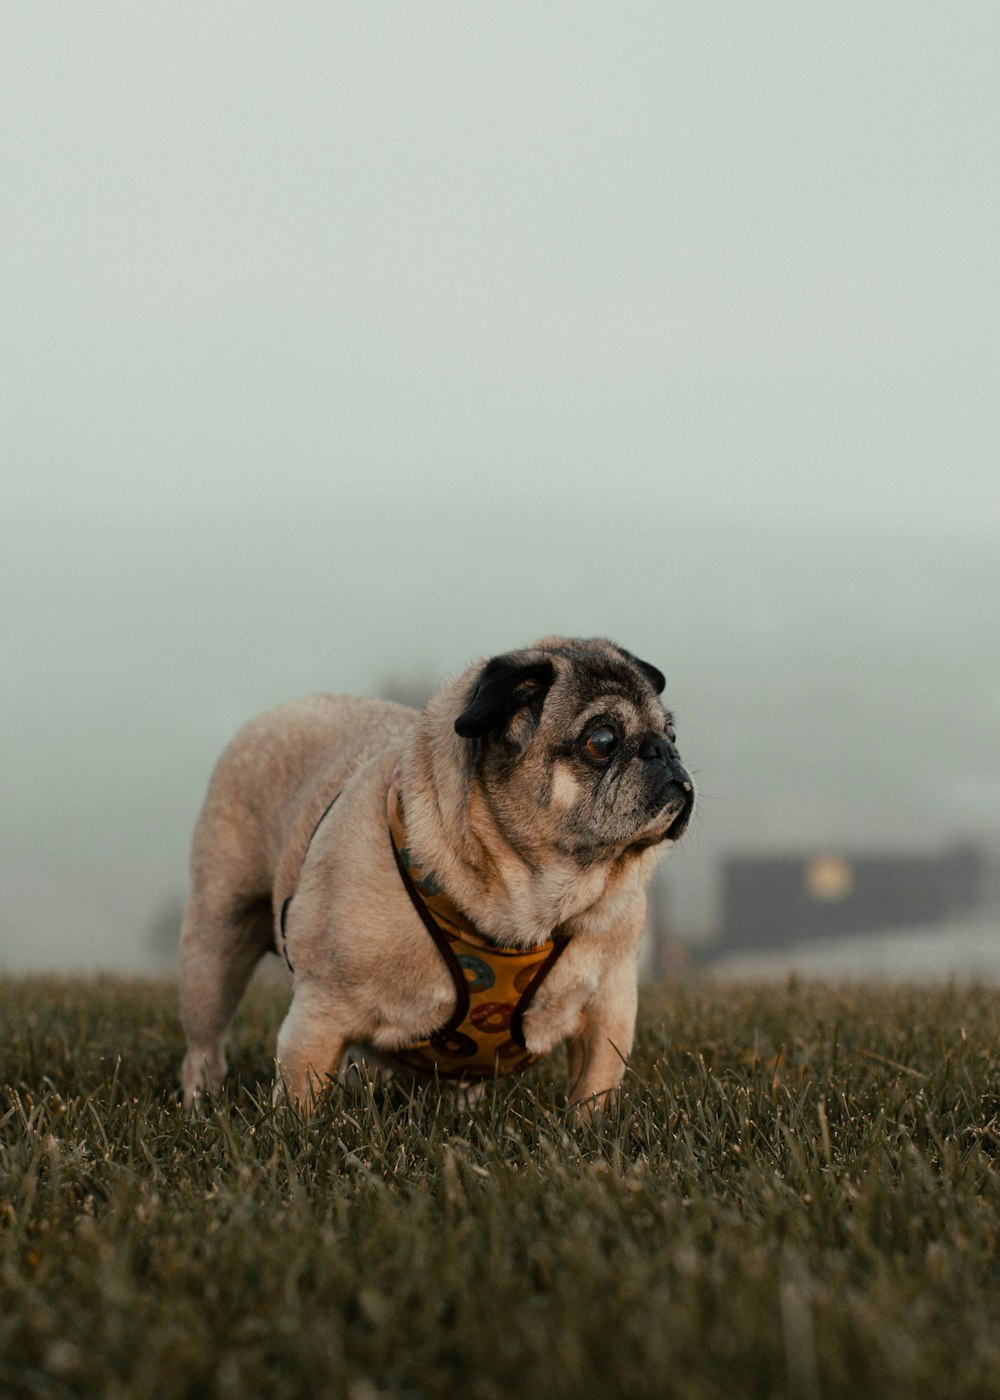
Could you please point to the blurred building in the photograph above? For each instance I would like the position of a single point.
(770, 901)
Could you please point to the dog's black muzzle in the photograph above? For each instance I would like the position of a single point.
(670, 789)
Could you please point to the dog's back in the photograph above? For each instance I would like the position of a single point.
(279, 763)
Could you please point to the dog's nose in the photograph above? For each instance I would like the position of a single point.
(655, 747)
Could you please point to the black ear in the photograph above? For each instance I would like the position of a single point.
(505, 686)
(655, 677)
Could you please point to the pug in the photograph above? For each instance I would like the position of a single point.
(460, 889)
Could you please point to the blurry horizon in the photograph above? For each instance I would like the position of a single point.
(343, 346)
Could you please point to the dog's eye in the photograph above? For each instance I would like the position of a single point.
(601, 743)
(671, 733)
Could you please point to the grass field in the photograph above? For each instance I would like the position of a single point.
(796, 1195)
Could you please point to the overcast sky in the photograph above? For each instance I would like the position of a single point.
(343, 344)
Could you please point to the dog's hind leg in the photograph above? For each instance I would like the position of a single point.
(219, 951)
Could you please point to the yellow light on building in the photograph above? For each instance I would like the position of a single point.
(829, 878)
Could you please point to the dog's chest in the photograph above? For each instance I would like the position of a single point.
(493, 989)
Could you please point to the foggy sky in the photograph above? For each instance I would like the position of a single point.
(345, 344)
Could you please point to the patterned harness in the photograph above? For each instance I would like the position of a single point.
(494, 987)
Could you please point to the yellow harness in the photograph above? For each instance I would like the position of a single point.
(494, 986)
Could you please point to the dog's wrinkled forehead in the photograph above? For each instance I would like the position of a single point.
(551, 681)
(596, 674)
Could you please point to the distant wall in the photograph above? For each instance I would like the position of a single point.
(769, 901)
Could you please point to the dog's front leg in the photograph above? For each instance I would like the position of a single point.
(311, 1044)
(597, 1056)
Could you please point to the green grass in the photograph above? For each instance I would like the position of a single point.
(796, 1195)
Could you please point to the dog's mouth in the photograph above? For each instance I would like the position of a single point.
(678, 810)
(672, 820)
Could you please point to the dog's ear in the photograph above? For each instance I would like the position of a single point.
(505, 686)
(655, 676)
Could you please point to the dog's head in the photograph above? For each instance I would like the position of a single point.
(574, 752)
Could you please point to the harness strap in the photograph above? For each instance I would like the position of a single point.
(441, 942)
